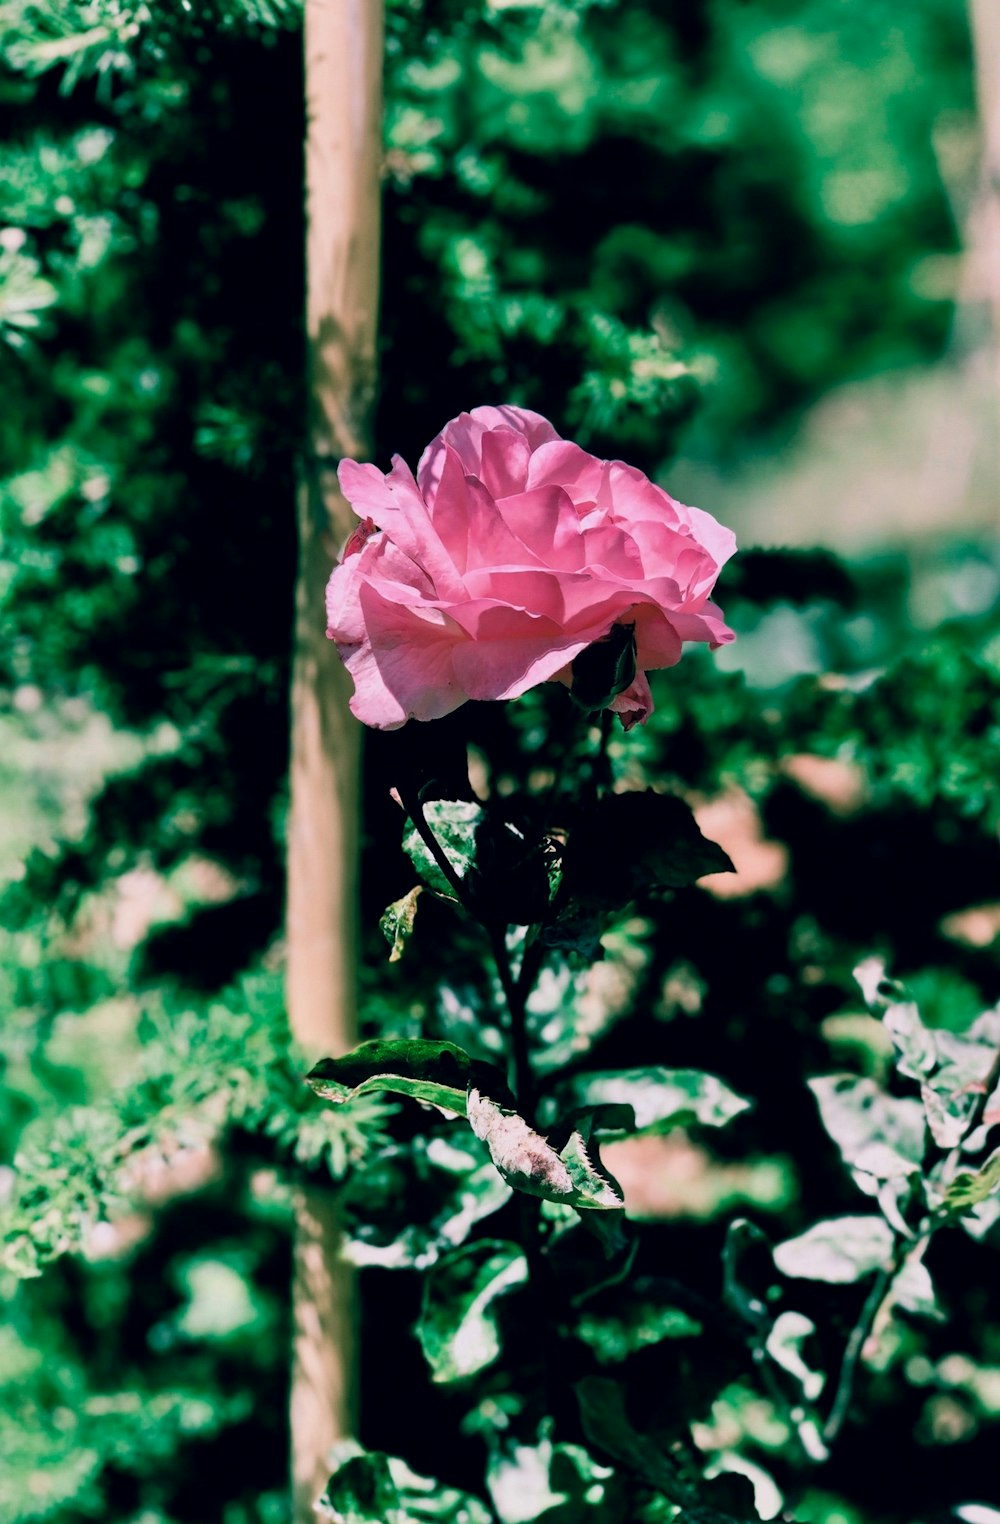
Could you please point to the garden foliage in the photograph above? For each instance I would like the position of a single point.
(632, 217)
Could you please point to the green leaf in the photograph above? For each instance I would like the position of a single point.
(629, 844)
(362, 1491)
(518, 1480)
(457, 1328)
(397, 921)
(560, 1484)
(608, 1427)
(454, 1180)
(840, 1249)
(644, 1323)
(593, 1187)
(968, 1190)
(657, 1098)
(981, 1220)
(784, 1345)
(24, 296)
(875, 1132)
(454, 823)
(529, 1163)
(435, 1072)
(368, 1487)
(426, 1499)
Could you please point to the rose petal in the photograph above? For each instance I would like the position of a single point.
(511, 553)
(634, 704)
(511, 652)
(404, 670)
(395, 504)
(545, 522)
(505, 457)
(465, 436)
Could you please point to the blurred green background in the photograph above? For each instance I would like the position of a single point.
(741, 244)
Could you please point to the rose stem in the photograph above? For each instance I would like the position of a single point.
(514, 990)
(515, 994)
(414, 809)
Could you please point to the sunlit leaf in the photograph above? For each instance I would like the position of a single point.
(913, 1041)
(840, 1249)
(424, 1498)
(950, 1094)
(368, 1487)
(784, 1345)
(878, 1133)
(559, 1484)
(592, 1185)
(913, 1290)
(659, 1098)
(454, 823)
(457, 1327)
(948, 1114)
(523, 1157)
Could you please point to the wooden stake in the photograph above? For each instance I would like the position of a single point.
(984, 19)
(343, 67)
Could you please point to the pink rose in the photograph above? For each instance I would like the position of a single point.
(511, 553)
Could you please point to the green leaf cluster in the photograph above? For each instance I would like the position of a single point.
(205, 1074)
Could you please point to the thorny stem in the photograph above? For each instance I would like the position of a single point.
(415, 810)
(571, 737)
(515, 993)
(515, 990)
(877, 1310)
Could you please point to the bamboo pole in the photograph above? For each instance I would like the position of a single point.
(343, 74)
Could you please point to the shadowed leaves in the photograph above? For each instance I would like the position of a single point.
(636, 843)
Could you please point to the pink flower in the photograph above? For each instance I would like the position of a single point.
(511, 553)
